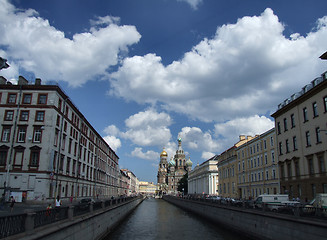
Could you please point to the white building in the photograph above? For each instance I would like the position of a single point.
(203, 179)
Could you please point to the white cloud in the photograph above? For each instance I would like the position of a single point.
(45, 51)
(229, 132)
(207, 155)
(146, 128)
(148, 155)
(247, 68)
(113, 142)
(193, 3)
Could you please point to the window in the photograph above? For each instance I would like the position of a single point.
(274, 174)
(287, 146)
(289, 170)
(310, 166)
(292, 121)
(318, 136)
(42, 99)
(12, 98)
(325, 103)
(39, 116)
(271, 141)
(24, 115)
(35, 157)
(280, 148)
(305, 114)
(267, 175)
(307, 138)
(37, 135)
(27, 98)
(273, 156)
(3, 157)
(5, 134)
(21, 134)
(314, 109)
(321, 162)
(285, 124)
(297, 168)
(9, 115)
(265, 144)
(266, 159)
(294, 143)
(278, 128)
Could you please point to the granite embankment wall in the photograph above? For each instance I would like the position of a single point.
(255, 224)
(94, 225)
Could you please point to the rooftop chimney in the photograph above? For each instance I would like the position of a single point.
(22, 81)
(3, 80)
(37, 81)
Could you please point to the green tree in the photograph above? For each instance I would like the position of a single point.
(182, 184)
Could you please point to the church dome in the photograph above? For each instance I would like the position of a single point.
(189, 163)
(172, 163)
(163, 154)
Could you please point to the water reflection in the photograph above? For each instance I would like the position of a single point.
(157, 219)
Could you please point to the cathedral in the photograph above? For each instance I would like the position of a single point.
(169, 173)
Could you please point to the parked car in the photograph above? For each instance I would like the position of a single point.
(86, 201)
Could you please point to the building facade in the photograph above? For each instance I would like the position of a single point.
(301, 124)
(48, 148)
(203, 179)
(133, 184)
(227, 167)
(257, 169)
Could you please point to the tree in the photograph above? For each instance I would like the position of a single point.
(182, 184)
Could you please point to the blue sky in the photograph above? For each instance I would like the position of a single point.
(144, 71)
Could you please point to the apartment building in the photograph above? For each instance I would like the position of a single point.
(203, 179)
(133, 184)
(227, 164)
(257, 168)
(301, 124)
(48, 148)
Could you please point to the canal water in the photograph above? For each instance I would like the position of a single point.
(156, 219)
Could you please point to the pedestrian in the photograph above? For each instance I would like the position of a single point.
(57, 206)
(48, 212)
(58, 202)
(12, 203)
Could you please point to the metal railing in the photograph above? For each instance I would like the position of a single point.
(19, 223)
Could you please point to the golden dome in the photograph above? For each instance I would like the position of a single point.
(163, 154)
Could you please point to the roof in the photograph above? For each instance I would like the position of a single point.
(324, 56)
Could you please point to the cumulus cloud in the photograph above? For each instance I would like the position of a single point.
(113, 142)
(145, 128)
(45, 51)
(247, 68)
(193, 3)
(148, 155)
(229, 131)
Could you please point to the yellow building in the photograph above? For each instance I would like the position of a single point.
(227, 163)
(147, 188)
(257, 170)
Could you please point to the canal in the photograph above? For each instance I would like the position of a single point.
(158, 219)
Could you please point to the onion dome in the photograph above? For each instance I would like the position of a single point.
(163, 153)
(172, 163)
(189, 163)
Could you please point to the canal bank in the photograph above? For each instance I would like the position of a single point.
(156, 219)
(254, 224)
